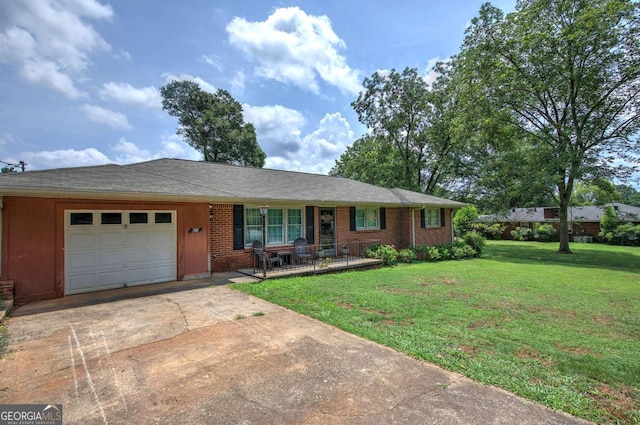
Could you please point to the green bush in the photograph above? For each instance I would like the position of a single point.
(406, 255)
(522, 234)
(449, 251)
(624, 234)
(387, 253)
(464, 219)
(475, 240)
(545, 232)
(490, 231)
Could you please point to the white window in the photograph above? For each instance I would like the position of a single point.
(283, 224)
(294, 224)
(367, 219)
(432, 217)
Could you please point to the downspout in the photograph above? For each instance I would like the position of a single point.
(451, 221)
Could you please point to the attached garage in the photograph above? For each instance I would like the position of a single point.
(108, 249)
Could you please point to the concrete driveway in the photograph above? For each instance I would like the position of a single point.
(212, 355)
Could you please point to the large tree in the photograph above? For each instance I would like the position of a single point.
(213, 124)
(408, 139)
(566, 74)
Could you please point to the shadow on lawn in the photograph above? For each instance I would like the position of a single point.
(537, 253)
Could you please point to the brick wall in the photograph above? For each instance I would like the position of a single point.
(433, 235)
(397, 233)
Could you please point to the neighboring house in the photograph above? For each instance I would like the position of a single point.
(583, 221)
(73, 230)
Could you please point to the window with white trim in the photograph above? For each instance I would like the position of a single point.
(367, 219)
(432, 217)
(283, 224)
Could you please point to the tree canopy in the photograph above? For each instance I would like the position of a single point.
(408, 140)
(566, 75)
(213, 124)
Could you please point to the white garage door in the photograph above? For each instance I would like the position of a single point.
(112, 249)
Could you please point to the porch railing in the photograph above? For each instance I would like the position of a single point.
(285, 258)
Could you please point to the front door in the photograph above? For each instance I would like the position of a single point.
(328, 232)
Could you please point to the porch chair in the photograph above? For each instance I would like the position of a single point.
(260, 253)
(301, 250)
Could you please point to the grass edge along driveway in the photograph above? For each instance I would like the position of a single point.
(561, 330)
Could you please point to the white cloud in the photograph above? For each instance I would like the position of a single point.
(172, 147)
(280, 134)
(237, 84)
(50, 41)
(430, 75)
(64, 158)
(186, 77)
(278, 128)
(106, 116)
(212, 60)
(293, 47)
(147, 97)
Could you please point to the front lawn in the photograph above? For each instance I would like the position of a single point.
(563, 330)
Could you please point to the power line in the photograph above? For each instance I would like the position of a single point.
(20, 164)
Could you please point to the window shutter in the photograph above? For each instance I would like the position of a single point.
(442, 223)
(383, 218)
(352, 218)
(422, 218)
(310, 218)
(238, 227)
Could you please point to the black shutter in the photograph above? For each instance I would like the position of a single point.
(238, 227)
(310, 229)
(442, 221)
(352, 218)
(383, 218)
(422, 219)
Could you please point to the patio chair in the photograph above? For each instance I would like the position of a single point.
(301, 250)
(260, 253)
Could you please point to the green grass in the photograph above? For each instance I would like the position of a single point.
(562, 330)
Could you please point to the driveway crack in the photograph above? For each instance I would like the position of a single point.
(184, 317)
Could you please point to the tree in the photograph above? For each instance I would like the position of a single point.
(7, 169)
(628, 195)
(464, 220)
(407, 121)
(370, 160)
(213, 124)
(599, 192)
(566, 73)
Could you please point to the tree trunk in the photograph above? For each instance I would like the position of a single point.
(563, 231)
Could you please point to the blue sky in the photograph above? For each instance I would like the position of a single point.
(80, 79)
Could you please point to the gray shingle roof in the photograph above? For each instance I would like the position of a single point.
(195, 180)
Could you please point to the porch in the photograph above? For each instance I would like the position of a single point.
(315, 259)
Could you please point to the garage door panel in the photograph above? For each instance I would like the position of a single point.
(112, 279)
(82, 241)
(82, 260)
(136, 256)
(111, 240)
(81, 282)
(162, 237)
(163, 273)
(139, 276)
(139, 238)
(104, 256)
(110, 259)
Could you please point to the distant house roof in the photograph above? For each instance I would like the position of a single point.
(205, 181)
(576, 214)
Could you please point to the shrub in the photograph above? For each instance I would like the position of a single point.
(464, 219)
(406, 255)
(433, 253)
(475, 240)
(387, 253)
(545, 232)
(522, 234)
(609, 221)
(624, 234)
(492, 231)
